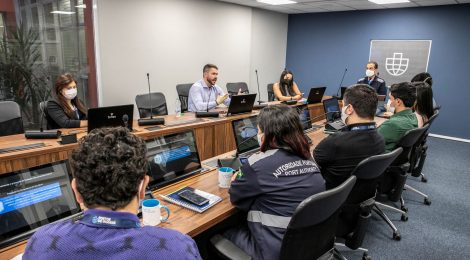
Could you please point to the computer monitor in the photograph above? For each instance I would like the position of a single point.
(304, 116)
(331, 108)
(245, 132)
(172, 158)
(111, 117)
(34, 197)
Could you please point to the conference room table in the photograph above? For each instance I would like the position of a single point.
(181, 219)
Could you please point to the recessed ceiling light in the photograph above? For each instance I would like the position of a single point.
(276, 2)
(61, 12)
(386, 2)
(81, 6)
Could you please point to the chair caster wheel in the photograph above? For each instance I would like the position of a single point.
(396, 236)
(405, 209)
(424, 179)
(365, 256)
(427, 201)
(404, 218)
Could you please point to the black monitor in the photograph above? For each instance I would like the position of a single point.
(304, 116)
(245, 131)
(34, 197)
(111, 117)
(172, 158)
(332, 110)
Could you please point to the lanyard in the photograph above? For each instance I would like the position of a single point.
(100, 221)
(362, 127)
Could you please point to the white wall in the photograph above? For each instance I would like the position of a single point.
(173, 39)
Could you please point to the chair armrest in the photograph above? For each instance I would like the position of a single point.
(228, 249)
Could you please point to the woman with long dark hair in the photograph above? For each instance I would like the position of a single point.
(423, 106)
(67, 110)
(273, 182)
(286, 88)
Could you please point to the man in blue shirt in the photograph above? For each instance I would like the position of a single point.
(205, 94)
(109, 168)
(372, 79)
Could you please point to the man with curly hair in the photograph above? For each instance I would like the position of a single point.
(109, 169)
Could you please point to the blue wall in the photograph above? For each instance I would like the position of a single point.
(321, 45)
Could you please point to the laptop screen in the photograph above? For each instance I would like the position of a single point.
(171, 158)
(304, 116)
(34, 197)
(331, 106)
(111, 117)
(245, 131)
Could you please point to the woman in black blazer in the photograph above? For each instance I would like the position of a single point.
(67, 110)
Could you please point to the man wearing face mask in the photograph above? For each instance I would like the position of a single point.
(402, 98)
(205, 94)
(67, 110)
(338, 154)
(372, 79)
(109, 188)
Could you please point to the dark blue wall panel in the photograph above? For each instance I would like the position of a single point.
(321, 45)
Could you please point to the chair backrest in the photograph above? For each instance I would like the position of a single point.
(270, 92)
(311, 230)
(157, 103)
(183, 94)
(11, 122)
(407, 142)
(232, 88)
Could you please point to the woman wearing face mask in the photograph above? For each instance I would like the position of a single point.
(67, 111)
(286, 89)
(273, 182)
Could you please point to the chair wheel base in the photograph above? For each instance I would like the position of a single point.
(365, 256)
(405, 209)
(424, 179)
(404, 218)
(427, 201)
(396, 236)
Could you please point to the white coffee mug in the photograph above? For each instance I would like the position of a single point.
(225, 177)
(151, 212)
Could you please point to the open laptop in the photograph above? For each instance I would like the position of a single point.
(305, 121)
(315, 95)
(171, 158)
(333, 115)
(111, 117)
(34, 197)
(240, 104)
(245, 132)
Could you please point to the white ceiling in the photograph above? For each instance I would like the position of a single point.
(320, 6)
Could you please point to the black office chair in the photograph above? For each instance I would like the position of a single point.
(421, 150)
(393, 180)
(157, 103)
(232, 88)
(311, 230)
(270, 92)
(183, 94)
(44, 114)
(356, 211)
(11, 122)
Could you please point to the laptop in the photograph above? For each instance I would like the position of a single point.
(171, 158)
(240, 104)
(305, 121)
(111, 117)
(333, 115)
(34, 197)
(316, 94)
(245, 132)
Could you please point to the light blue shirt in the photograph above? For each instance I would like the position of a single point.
(201, 96)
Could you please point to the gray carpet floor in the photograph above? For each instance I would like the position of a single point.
(440, 230)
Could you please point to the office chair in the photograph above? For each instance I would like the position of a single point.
(393, 180)
(183, 94)
(356, 211)
(232, 88)
(11, 122)
(417, 168)
(270, 92)
(158, 104)
(311, 230)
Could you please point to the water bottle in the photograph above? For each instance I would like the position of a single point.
(178, 107)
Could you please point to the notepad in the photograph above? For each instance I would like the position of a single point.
(176, 199)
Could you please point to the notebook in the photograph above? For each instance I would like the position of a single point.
(240, 104)
(245, 132)
(111, 117)
(176, 199)
(315, 95)
(34, 197)
(171, 158)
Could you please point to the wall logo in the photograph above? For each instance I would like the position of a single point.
(397, 65)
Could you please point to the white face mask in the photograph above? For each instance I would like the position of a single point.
(70, 93)
(140, 189)
(259, 140)
(390, 107)
(344, 116)
(370, 73)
